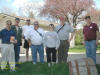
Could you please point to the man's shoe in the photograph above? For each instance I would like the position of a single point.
(34, 63)
(53, 63)
(2, 70)
(49, 64)
(12, 70)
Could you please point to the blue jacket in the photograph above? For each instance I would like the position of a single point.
(5, 35)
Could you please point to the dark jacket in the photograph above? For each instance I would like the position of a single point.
(18, 33)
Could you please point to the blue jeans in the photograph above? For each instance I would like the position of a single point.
(91, 48)
(17, 52)
(37, 49)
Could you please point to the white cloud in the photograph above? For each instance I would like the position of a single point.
(20, 3)
(23, 5)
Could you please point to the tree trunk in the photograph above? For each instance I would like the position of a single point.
(72, 42)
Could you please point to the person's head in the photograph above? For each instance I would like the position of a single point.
(28, 22)
(88, 19)
(51, 27)
(17, 21)
(62, 20)
(36, 25)
(8, 23)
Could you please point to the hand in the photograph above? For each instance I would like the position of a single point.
(30, 44)
(83, 43)
(96, 42)
(68, 41)
(56, 48)
(23, 37)
(45, 48)
(14, 41)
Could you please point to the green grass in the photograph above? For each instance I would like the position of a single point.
(98, 68)
(28, 68)
(79, 49)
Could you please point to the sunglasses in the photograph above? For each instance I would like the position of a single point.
(36, 24)
(28, 20)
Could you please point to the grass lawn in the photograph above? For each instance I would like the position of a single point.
(79, 49)
(98, 68)
(28, 68)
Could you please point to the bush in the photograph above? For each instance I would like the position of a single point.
(79, 37)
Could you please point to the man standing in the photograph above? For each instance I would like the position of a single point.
(26, 29)
(18, 31)
(36, 42)
(63, 31)
(7, 49)
(90, 32)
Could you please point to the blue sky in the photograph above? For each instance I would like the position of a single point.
(13, 4)
(97, 2)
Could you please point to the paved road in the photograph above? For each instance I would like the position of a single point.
(71, 56)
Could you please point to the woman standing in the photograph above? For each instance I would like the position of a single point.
(51, 42)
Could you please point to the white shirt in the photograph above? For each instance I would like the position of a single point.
(34, 36)
(17, 28)
(26, 29)
(51, 40)
(64, 32)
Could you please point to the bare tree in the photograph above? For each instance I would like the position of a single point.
(72, 10)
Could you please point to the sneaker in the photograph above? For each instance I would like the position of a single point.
(17, 65)
(12, 70)
(42, 63)
(2, 70)
(49, 64)
(53, 63)
(34, 63)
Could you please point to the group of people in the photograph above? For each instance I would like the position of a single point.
(55, 40)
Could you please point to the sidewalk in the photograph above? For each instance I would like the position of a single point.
(71, 56)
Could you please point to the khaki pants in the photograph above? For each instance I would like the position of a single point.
(7, 53)
(63, 51)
